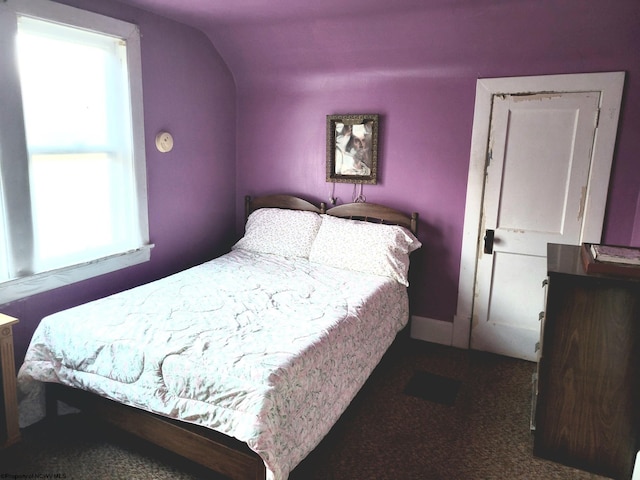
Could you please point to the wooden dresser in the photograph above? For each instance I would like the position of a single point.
(588, 396)
(9, 431)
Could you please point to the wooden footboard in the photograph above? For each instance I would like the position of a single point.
(206, 447)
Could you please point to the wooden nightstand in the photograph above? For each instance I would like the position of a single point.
(9, 430)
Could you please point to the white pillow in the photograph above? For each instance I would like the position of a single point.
(288, 233)
(364, 247)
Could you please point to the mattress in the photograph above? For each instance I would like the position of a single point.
(266, 349)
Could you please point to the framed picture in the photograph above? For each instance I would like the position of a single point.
(352, 148)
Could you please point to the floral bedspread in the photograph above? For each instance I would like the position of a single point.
(266, 349)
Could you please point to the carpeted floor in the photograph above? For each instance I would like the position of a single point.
(427, 412)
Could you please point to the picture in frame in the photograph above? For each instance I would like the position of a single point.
(352, 148)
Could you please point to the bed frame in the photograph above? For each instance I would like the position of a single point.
(211, 449)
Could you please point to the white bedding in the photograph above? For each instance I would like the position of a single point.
(262, 348)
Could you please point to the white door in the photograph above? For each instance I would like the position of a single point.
(537, 174)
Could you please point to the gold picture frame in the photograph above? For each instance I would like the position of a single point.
(352, 148)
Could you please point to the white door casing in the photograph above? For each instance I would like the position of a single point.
(608, 86)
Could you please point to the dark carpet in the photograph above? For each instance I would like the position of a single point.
(433, 388)
(427, 412)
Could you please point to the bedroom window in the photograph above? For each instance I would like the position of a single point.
(72, 170)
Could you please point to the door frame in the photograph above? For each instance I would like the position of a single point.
(610, 85)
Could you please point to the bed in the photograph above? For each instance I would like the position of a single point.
(243, 363)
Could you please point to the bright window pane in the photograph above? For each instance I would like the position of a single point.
(71, 204)
(64, 91)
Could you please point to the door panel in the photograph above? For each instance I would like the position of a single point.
(524, 208)
(537, 174)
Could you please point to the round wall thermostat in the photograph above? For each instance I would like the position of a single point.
(164, 142)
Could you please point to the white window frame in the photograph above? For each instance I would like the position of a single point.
(13, 143)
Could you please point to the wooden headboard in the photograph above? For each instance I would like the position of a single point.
(370, 212)
(279, 201)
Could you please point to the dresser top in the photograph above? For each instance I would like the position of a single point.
(564, 259)
(567, 260)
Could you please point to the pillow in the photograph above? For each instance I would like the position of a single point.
(288, 233)
(364, 247)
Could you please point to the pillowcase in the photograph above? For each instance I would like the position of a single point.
(288, 233)
(364, 247)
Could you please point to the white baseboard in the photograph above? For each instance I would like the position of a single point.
(430, 330)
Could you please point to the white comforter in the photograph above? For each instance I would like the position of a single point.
(262, 348)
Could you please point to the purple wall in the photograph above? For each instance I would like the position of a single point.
(424, 156)
(189, 91)
(416, 66)
(418, 69)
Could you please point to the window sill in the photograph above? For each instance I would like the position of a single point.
(24, 287)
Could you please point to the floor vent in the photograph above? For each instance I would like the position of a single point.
(433, 388)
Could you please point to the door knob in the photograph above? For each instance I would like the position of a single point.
(488, 241)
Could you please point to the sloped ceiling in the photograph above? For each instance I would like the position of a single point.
(212, 12)
(263, 40)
